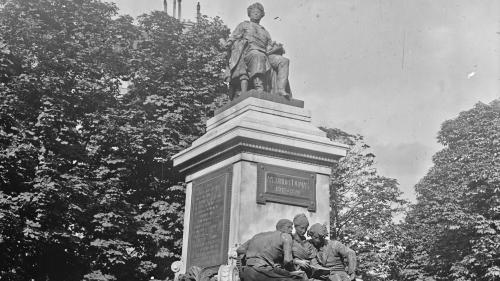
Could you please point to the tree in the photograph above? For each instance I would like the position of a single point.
(67, 70)
(457, 210)
(87, 190)
(363, 204)
(174, 81)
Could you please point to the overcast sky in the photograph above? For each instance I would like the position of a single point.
(391, 70)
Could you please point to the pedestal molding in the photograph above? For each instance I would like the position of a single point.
(242, 144)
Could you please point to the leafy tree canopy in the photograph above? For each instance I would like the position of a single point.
(86, 187)
(458, 210)
(363, 204)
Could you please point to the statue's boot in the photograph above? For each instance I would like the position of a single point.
(282, 92)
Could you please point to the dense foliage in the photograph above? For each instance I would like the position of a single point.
(453, 230)
(86, 187)
(456, 220)
(363, 205)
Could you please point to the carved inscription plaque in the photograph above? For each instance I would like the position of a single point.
(209, 219)
(287, 186)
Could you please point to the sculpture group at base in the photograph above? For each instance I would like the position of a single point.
(282, 256)
(256, 62)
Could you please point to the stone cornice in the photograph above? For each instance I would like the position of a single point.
(243, 144)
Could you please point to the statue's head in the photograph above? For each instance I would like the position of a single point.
(284, 226)
(255, 11)
(318, 232)
(301, 224)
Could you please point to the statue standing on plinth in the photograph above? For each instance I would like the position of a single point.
(256, 62)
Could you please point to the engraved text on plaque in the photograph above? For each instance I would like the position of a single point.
(209, 219)
(287, 186)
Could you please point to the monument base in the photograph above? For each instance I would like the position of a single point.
(263, 96)
(259, 161)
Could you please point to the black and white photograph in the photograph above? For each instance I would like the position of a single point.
(249, 140)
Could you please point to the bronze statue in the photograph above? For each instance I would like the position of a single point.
(302, 249)
(256, 62)
(329, 262)
(268, 255)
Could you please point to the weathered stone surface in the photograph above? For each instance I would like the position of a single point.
(254, 132)
(209, 221)
(263, 96)
(247, 226)
(264, 127)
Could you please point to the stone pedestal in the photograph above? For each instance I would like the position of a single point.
(259, 161)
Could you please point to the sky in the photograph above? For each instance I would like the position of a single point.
(390, 70)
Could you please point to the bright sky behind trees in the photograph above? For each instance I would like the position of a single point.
(390, 70)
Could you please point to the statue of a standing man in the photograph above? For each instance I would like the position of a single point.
(256, 61)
